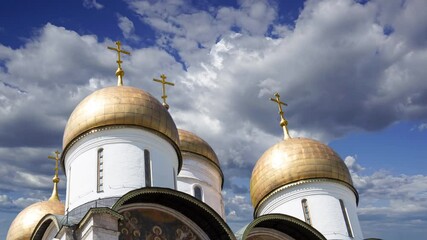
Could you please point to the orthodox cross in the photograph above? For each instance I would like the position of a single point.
(55, 178)
(283, 121)
(164, 83)
(119, 73)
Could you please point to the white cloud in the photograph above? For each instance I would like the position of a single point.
(128, 28)
(238, 209)
(335, 65)
(232, 215)
(7, 203)
(335, 68)
(391, 199)
(32, 181)
(92, 4)
(350, 161)
(174, 22)
(5, 52)
(48, 69)
(4, 200)
(254, 17)
(422, 127)
(401, 17)
(24, 202)
(387, 200)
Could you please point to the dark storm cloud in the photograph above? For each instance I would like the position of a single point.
(14, 87)
(30, 130)
(18, 169)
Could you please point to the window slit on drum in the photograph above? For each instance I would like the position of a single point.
(100, 161)
(147, 167)
(174, 178)
(306, 211)
(198, 192)
(347, 221)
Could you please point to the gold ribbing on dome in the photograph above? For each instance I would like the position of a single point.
(119, 73)
(164, 83)
(283, 121)
(116, 107)
(55, 178)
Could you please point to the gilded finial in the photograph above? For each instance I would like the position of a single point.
(164, 82)
(55, 179)
(283, 121)
(119, 73)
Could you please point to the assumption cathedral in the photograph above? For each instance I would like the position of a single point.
(131, 174)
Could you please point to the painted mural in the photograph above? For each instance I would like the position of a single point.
(152, 224)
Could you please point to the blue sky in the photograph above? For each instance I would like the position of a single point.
(352, 72)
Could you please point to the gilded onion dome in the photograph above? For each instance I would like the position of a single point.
(118, 106)
(24, 224)
(192, 143)
(293, 160)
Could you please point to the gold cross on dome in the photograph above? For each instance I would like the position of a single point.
(56, 158)
(164, 83)
(55, 178)
(283, 121)
(119, 73)
(119, 50)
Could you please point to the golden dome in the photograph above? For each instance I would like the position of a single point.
(120, 105)
(24, 224)
(292, 160)
(190, 142)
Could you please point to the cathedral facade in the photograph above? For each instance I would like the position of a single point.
(132, 174)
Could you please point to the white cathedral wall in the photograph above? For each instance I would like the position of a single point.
(197, 170)
(99, 226)
(123, 157)
(323, 204)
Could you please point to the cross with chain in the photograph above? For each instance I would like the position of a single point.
(164, 83)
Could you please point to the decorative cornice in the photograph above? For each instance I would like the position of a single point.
(99, 210)
(121, 126)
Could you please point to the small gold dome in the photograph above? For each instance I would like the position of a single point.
(25, 223)
(190, 142)
(120, 105)
(292, 160)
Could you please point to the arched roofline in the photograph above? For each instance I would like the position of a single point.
(43, 224)
(286, 224)
(200, 213)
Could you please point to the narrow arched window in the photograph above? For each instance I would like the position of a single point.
(147, 166)
(68, 188)
(306, 211)
(174, 178)
(346, 219)
(100, 163)
(198, 193)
